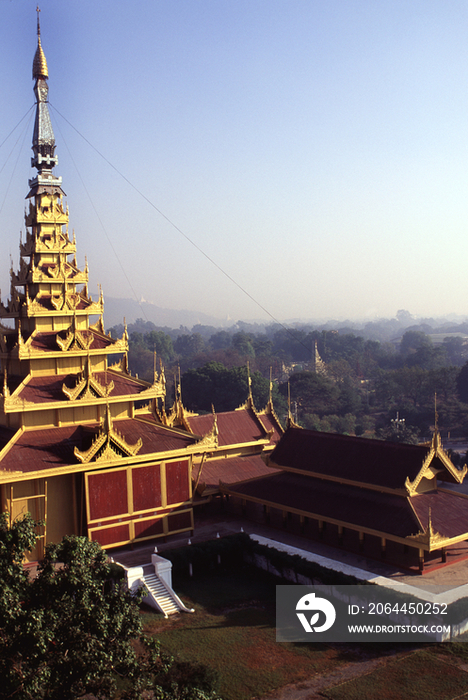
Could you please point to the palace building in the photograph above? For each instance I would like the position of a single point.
(89, 449)
(370, 496)
(85, 446)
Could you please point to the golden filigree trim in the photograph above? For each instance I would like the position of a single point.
(108, 445)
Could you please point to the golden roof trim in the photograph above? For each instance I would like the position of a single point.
(436, 450)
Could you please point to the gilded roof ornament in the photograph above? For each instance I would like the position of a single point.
(39, 64)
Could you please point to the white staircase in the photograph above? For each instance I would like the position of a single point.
(164, 600)
(156, 578)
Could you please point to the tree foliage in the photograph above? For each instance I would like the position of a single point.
(72, 630)
(366, 378)
(213, 385)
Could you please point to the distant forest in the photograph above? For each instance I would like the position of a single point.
(388, 381)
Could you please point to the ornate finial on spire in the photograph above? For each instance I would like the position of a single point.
(39, 64)
(107, 419)
(43, 143)
(179, 388)
(436, 435)
(6, 391)
(249, 379)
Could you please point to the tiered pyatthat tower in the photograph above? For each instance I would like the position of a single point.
(53, 333)
(49, 299)
(85, 446)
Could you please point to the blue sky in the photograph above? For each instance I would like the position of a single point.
(316, 150)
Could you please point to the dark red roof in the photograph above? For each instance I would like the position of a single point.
(47, 340)
(231, 470)
(269, 423)
(37, 450)
(385, 464)
(384, 512)
(5, 436)
(234, 427)
(156, 437)
(44, 389)
(449, 512)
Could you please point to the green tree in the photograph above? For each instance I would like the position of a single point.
(242, 342)
(225, 389)
(189, 345)
(221, 340)
(18, 635)
(399, 432)
(462, 383)
(313, 393)
(161, 343)
(71, 630)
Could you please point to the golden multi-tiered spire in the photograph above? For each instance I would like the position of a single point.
(53, 333)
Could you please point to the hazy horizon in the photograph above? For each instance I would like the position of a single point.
(315, 151)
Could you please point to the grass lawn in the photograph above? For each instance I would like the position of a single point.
(422, 674)
(233, 631)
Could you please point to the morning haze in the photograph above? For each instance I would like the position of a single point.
(316, 152)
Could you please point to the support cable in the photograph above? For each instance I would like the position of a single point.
(102, 225)
(179, 230)
(22, 134)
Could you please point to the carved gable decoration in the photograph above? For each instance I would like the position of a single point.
(75, 339)
(429, 537)
(108, 446)
(427, 470)
(210, 440)
(87, 386)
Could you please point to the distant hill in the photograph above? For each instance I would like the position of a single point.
(115, 310)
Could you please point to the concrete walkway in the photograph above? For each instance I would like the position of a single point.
(208, 526)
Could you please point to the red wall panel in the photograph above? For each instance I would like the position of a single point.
(146, 487)
(179, 521)
(107, 493)
(111, 535)
(177, 481)
(149, 528)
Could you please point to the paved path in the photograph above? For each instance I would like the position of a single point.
(208, 527)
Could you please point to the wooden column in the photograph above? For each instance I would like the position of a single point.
(340, 533)
(383, 547)
(320, 528)
(421, 559)
(361, 541)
